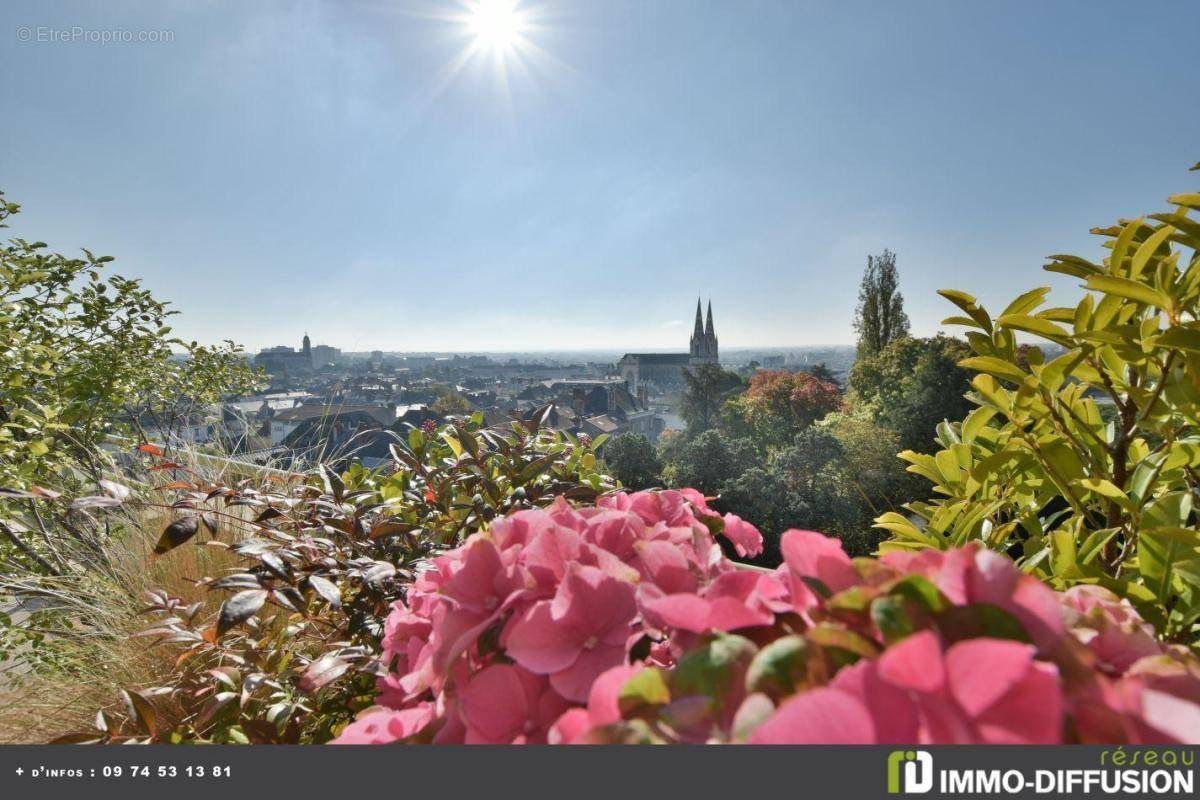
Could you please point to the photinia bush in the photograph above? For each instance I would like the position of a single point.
(287, 644)
(624, 622)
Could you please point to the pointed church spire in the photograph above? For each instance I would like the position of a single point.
(699, 331)
(708, 328)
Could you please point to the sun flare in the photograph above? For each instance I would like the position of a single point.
(496, 24)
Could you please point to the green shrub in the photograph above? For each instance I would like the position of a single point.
(1040, 471)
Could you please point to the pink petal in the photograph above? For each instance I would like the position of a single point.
(818, 716)
(665, 565)
(615, 531)
(602, 701)
(538, 643)
(687, 611)
(575, 682)
(981, 671)
(893, 709)
(810, 554)
(384, 726)
(1031, 713)
(1039, 610)
(572, 725)
(728, 614)
(494, 704)
(473, 583)
(915, 663)
(594, 602)
(1171, 715)
(747, 541)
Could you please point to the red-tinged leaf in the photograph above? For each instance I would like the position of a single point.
(379, 572)
(239, 608)
(85, 737)
(333, 482)
(48, 494)
(177, 533)
(389, 527)
(259, 731)
(284, 598)
(268, 513)
(167, 465)
(226, 675)
(152, 449)
(140, 710)
(175, 485)
(213, 707)
(324, 670)
(184, 656)
(327, 590)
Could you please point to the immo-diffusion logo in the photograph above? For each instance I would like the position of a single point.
(916, 777)
(1146, 771)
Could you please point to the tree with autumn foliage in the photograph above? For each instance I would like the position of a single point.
(779, 405)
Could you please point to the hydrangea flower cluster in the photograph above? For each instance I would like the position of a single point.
(625, 622)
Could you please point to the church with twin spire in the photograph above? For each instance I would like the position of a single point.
(650, 373)
(704, 339)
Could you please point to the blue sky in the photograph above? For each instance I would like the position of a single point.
(282, 166)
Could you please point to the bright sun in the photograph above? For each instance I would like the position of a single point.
(496, 24)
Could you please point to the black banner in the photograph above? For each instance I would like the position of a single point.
(731, 773)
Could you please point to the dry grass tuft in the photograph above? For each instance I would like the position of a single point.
(95, 654)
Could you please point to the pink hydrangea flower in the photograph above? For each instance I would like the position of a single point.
(979, 691)
(504, 704)
(522, 634)
(577, 635)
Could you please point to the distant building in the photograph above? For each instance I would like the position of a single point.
(664, 371)
(285, 361)
(323, 355)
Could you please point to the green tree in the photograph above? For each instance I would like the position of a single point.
(822, 372)
(872, 466)
(706, 388)
(451, 404)
(806, 485)
(912, 385)
(880, 318)
(82, 355)
(633, 461)
(706, 461)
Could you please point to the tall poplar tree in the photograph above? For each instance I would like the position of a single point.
(880, 316)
